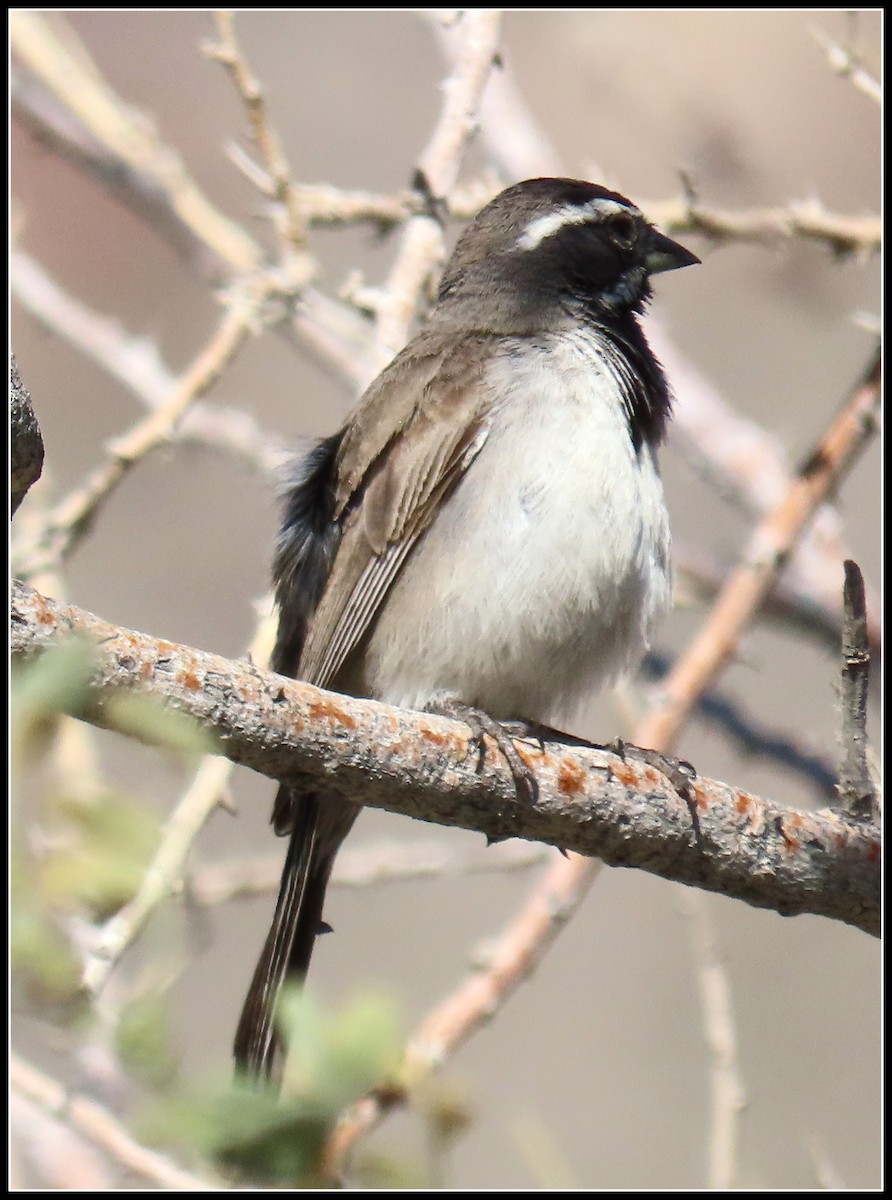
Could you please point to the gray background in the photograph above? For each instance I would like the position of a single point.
(598, 1064)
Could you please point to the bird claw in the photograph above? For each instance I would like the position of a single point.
(677, 772)
(482, 725)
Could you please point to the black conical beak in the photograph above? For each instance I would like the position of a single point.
(662, 254)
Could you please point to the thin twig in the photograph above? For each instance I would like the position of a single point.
(362, 867)
(728, 1099)
(844, 63)
(855, 787)
(827, 1175)
(792, 749)
(165, 872)
(125, 135)
(104, 1129)
(288, 217)
(422, 249)
(806, 220)
(123, 152)
(52, 1154)
(700, 575)
(474, 1002)
(750, 468)
(136, 363)
(764, 557)
(72, 518)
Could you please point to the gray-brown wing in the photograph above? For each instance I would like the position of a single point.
(389, 488)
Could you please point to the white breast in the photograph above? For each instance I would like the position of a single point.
(545, 571)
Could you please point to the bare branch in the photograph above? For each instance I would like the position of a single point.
(856, 789)
(362, 867)
(288, 216)
(424, 766)
(844, 63)
(807, 220)
(728, 1099)
(103, 1129)
(125, 135)
(478, 999)
(123, 152)
(700, 575)
(72, 518)
(768, 550)
(164, 874)
(752, 737)
(422, 250)
(136, 363)
(54, 1154)
(748, 466)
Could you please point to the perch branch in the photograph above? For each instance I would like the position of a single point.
(426, 767)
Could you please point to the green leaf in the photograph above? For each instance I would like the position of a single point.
(333, 1058)
(54, 683)
(39, 951)
(143, 1040)
(149, 719)
(103, 852)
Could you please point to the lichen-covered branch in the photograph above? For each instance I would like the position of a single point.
(426, 767)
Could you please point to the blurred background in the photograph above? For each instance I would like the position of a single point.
(596, 1073)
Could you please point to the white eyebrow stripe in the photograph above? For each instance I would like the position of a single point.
(541, 228)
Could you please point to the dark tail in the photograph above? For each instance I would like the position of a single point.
(289, 944)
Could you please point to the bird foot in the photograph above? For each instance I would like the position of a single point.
(677, 772)
(482, 725)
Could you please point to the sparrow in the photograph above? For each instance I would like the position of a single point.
(487, 534)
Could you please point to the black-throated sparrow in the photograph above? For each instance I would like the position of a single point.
(488, 528)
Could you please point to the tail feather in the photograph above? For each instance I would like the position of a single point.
(289, 944)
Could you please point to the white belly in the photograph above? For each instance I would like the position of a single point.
(545, 571)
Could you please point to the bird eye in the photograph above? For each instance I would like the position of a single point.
(623, 225)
